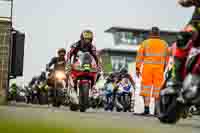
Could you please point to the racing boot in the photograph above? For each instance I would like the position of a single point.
(132, 108)
(195, 110)
(74, 97)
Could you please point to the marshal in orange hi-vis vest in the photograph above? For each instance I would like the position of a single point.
(153, 54)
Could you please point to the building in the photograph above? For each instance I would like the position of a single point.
(5, 32)
(122, 51)
(11, 55)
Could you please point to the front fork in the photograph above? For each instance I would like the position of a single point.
(72, 91)
(184, 109)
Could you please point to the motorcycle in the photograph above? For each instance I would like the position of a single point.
(175, 104)
(42, 90)
(108, 102)
(125, 96)
(84, 73)
(113, 96)
(58, 91)
(34, 94)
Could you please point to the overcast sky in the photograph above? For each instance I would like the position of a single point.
(51, 24)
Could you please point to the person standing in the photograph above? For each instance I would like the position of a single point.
(153, 56)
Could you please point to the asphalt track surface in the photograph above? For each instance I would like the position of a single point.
(98, 119)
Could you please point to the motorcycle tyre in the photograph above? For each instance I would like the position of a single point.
(57, 98)
(84, 96)
(174, 115)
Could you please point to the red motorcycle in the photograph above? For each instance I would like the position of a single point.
(175, 104)
(82, 77)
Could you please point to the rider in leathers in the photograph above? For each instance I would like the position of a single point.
(117, 77)
(195, 23)
(187, 39)
(123, 73)
(35, 81)
(84, 45)
(58, 63)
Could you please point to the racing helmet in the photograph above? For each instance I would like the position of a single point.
(87, 36)
(123, 70)
(43, 74)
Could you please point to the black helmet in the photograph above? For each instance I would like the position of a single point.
(43, 74)
(61, 50)
(124, 71)
(87, 34)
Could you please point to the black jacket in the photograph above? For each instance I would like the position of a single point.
(59, 63)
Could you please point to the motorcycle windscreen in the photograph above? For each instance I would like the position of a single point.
(85, 62)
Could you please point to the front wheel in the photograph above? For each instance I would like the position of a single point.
(170, 109)
(93, 103)
(84, 96)
(126, 102)
(57, 98)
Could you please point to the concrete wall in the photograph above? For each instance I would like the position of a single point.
(4, 58)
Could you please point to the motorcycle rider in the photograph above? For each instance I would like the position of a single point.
(124, 74)
(58, 63)
(187, 39)
(31, 85)
(35, 81)
(115, 78)
(121, 75)
(83, 45)
(42, 76)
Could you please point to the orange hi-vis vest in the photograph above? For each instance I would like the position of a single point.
(152, 51)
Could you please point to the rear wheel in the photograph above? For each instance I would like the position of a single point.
(83, 96)
(93, 103)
